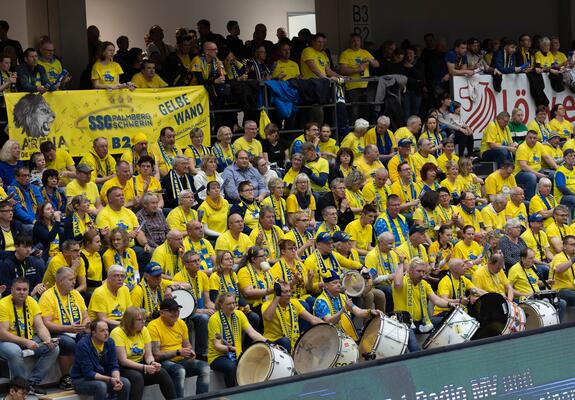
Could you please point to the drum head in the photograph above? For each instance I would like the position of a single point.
(254, 364)
(317, 349)
(491, 311)
(371, 335)
(354, 284)
(186, 300)
(437, 329)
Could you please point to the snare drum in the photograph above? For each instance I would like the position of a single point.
(383, 337)
(496, 316)
(550, 296)
(456, 327)
(186, 300)
(324, 346)
(263, 362)
(539, 313)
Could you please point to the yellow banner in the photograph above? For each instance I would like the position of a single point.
(72, 119)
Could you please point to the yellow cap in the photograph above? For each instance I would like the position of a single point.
(139, 137)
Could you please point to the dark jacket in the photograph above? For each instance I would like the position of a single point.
(32, 269)
(343, 218)
(44, 237)
(87, 363)
(170, 199)
(27, 77)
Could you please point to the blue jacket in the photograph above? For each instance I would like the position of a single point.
(283, 96)
(87, 363)
(24, 210)
(504, 63)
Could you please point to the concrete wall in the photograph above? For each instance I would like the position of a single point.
(133, 18)
(15, 13)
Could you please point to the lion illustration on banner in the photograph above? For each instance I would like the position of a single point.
(33, 114)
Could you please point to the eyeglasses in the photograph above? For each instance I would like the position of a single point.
(7, 211)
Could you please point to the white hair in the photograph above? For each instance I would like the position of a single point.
(360, 123)
(384, 120)
(115, 268)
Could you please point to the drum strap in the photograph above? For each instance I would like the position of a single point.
(422, 301)
(459, 293)
(528, 280)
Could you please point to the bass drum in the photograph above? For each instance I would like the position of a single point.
(263, 362)
(496, 316)
(324, 346)
(383, 337)
(456, 327)
(186, 300)
(539, 313)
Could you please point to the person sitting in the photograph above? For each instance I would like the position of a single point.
(539, 124)
(281, 315)
(138, 149)
(122, 176)
(392, 221)
(423, 156)
(564, 189)
(27, 197)
(562, 271)
(411, 294)
(200, 288)
(301, 199)
(83, 186)
(240, 171)
(95, 371)
(68, 257)
(248, 141)
(355, 140)
(536, 238)
(491, 277)
(234, 239)
(90, 253)
(119, 253)
(180, 215)
(361, 230)
(19, 263)
(205, 174)
(247, 206)
(164, 151)
(109, 301)
(383, 138)
(558, 230)
(426, 215)
(172, 349)
(224, 150)
(214, 210)
(447, 155)
(497, 144)
(195, 241)
(403, 155)
(225, 329)
(106, 72)
(169, 254)
(66, 317)
(176, 181)
(525, 280)
(500, 181)
(528, 163)
(376, 190)
(196, 151)
(333, 307)
(469, 214)
(409, 131)
(9, 161)
(51, 190)
(413, 246)
(152, 220)
(493, 214)
(315, 168)
(100, 161)
(144, 182)
(147, 77)
(336, 198)
(267, 235)
(135, 358)
(22, 328)
(456, 286)
(59, 160)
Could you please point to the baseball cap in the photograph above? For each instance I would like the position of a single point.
(330, 276)
(417, 229)
(323, 237)
(405, 142)
(567, 152)
(536, 217)
(553, 134)
(84, 168)
(154, 269)
(341, 236)
(169, 304)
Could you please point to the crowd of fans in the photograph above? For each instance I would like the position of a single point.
(261, 230)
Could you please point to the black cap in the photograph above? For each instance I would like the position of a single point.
(169, 304)
(417, 229)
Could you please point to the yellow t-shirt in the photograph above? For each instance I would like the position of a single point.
(353, 59)
(125, 218)
(437, 254)
(475, 219)
(9, 241)
(569, 178)
(357, 145)
(370, 137)
(363, 236)
(135, 187)
(355, 200)
(103, 300)
(236, 324)
(90, 191)
(163, 161)
(216, 219)
(254, 148)
(430, 220)
(7, 315)
(519, 212)
(555, 153)
(178, 218)
(225, 283)
(200, 284)
(134, 345)
(542, 130)
(61, 162)
(404, 133)
(95, 263)
(319, 58)
(272, 238)
(495, 134)
(248, 276)
(67, 312)
(53, 68)
(367, 170)
(330, 146)
(108, 74)
(544, 61)
(406, 193)
(536, 242)
(238, 247)
(381, 263)
(319, 166)
(564, 128)
(564, 280)
(523, 280)
(128, 260)
(495, 184)
(279, 207)
(537, 204)
(468, 183)
(283, 316)
(171, 263)
(532, 155)
(375, 195)
(455, 188)
(401, 301)
(492, 219)
(419, 161)
(485, 280)
(140, 82)
(472, 252)
(409, 252)
(289, 68)
(394, 163)
(110, 183)
(292, 205)
(452, 289)
(442, 161)
(170, 337)
(142, 297)
(57, 262)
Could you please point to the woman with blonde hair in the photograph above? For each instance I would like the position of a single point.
(206, 174)
(9, 160)
(223, 149)
(120, 253)
(301, 199)
(471, 182)
(276, 201)
(196, 151)
(354, 181)
(134, 352)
